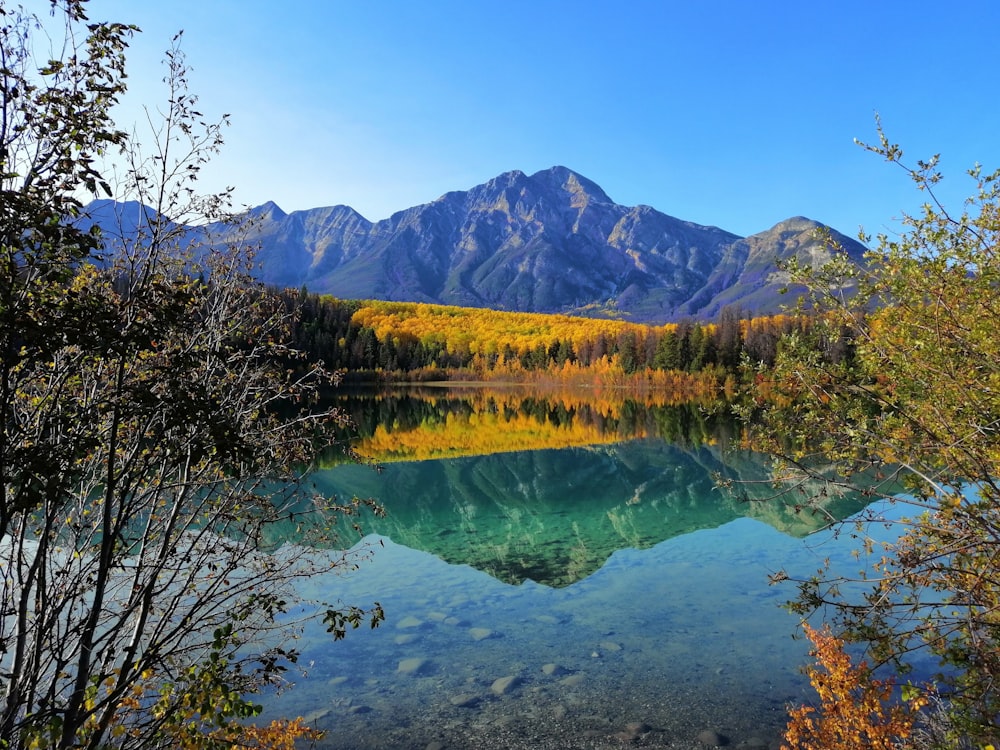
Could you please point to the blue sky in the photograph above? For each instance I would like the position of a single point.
(734, 114)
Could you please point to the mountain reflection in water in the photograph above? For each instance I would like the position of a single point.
(554, 515)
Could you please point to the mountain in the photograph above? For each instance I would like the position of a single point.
(550, 242)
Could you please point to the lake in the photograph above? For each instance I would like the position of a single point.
(559, 570)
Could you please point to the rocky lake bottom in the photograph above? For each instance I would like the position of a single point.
(683, 645)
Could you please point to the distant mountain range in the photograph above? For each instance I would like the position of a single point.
(550, 242)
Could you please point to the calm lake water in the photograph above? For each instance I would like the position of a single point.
(587, 587)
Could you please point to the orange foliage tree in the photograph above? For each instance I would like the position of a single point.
(855, 711)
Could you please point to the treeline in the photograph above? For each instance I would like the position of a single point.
(414, 341)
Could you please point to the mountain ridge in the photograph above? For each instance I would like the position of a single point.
(552, 242)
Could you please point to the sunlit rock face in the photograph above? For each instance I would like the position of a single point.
(550, 242)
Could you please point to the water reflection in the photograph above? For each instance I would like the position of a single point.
(422, 423)
(554, 516)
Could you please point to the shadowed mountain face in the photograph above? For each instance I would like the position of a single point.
(550, 242)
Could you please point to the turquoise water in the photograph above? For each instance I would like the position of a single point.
(581, 597)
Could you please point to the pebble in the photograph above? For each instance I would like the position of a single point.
(402, 640)
(572, 681)
(610, 646)
(409, 622)
(554, 669)
(504, 685)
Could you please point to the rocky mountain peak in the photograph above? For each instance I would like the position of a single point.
(270, 211)
(566, 180)
(794, 225)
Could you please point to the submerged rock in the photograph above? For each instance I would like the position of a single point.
(711, 738)
(554, 670)
(634, 731)
(313, 716)
(481, 634)
(413, 666)
(572, 681)
(504, 685)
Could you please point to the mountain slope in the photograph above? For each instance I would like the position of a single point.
(748, 274)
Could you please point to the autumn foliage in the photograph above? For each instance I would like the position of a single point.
(405, 341)
(280, 734)
(855, 710)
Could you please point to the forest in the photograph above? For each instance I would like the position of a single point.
(405, 341)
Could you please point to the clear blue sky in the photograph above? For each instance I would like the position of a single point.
(736, 114)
